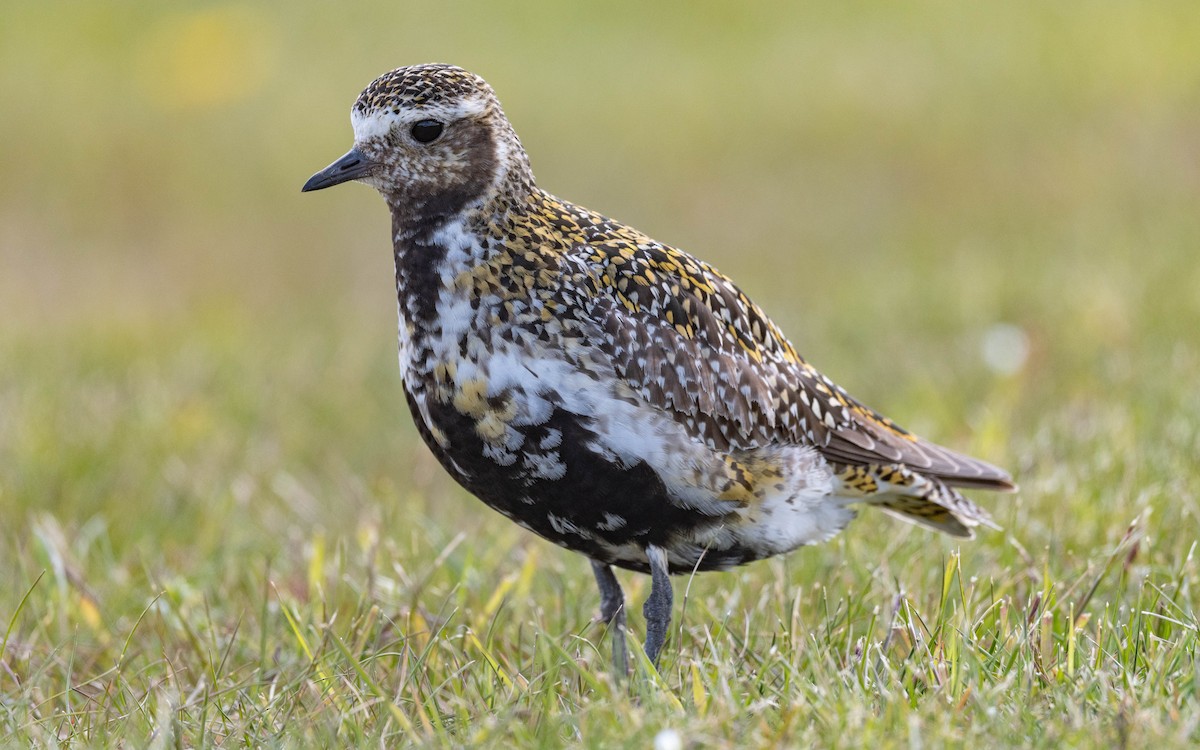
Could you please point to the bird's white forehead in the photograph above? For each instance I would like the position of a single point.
(377, 122)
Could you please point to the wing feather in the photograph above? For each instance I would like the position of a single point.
(689, 341)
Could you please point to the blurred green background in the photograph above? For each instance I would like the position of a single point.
(890, 182)
(194, 356)
(982, 219)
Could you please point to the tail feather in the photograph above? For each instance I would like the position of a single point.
(917, 498)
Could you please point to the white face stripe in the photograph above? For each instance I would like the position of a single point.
(380, 122)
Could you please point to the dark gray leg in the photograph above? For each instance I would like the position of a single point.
(657, 608)
(612, 611)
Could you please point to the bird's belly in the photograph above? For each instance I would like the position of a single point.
(582, 462)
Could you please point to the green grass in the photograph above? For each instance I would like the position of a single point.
(218, 527)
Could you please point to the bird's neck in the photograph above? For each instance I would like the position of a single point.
(440, 265)
(442, 238)
(428, 263)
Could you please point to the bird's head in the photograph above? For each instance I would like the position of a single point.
(432, 139)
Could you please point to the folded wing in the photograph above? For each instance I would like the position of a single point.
(688, 340)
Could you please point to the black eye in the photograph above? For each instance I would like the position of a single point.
(426, 131)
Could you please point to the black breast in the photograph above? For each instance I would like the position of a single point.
(594, 503)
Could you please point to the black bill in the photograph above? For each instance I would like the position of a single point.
(352, 166)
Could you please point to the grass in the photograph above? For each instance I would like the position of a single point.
(218, 528)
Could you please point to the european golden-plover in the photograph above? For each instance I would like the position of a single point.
(610, 393)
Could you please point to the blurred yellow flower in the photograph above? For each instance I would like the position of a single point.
(207, 58)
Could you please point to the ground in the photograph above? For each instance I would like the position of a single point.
(217, 524)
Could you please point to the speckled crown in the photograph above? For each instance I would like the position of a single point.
(421, 86)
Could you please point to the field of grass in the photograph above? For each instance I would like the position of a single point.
(218, 527)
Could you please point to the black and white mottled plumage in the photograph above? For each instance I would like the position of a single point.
(613, 394)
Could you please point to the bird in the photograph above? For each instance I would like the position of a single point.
(613, 394)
